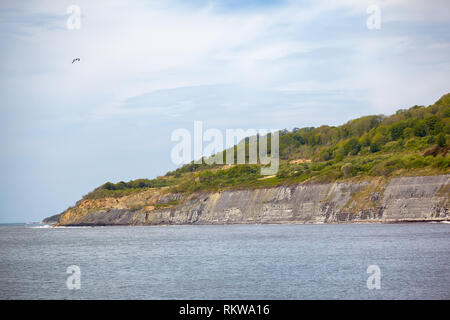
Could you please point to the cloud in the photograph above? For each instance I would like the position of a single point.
(150, 67)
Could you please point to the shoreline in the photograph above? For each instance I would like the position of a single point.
(397, 200)
(404, 221)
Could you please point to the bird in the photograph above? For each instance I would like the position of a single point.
(76, 59)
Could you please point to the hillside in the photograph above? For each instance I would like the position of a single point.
(371, 169)
(412, 141)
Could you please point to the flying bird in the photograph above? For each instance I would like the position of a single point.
(76, 59)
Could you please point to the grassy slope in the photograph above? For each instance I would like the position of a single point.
(410, 142)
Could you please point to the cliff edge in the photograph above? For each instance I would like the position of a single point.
(402, 199)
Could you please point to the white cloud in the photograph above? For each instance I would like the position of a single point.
(130, 49)
(147, 67)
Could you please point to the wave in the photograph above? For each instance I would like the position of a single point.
(45, 226)
(49, 226)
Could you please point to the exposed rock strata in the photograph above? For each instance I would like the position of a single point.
(401, 199)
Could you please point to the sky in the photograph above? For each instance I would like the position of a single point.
(150, 67)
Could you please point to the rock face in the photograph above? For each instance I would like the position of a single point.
(423, 198)
(53, 219)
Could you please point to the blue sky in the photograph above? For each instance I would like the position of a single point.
(150, 67)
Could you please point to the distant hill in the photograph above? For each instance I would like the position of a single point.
(412, 141)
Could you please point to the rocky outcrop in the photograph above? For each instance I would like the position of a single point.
(423, 198)
(52, 219)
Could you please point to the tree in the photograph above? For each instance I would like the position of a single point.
(419, 129)
(121, 185)
(408, 133)
(352, 147)
(374, 147)
(109, 186)
(431, 124)
(379, 139)
(441, 141)
(325, 155)
(397, 131)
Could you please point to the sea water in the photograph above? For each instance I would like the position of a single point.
(227, 262)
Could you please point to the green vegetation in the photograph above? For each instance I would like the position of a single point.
(122, 188)
(412, 141)
(167, 204)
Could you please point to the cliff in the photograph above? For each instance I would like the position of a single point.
(402, 199)
(52, 219)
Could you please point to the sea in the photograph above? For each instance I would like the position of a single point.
(342, 261)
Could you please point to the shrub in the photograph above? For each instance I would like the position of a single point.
(374, 147)
(347, 170)
(441, 141)
(442, 163)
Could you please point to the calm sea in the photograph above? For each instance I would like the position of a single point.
(227, 262)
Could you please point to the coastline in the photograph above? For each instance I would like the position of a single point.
(405, 221)
(398, 200)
